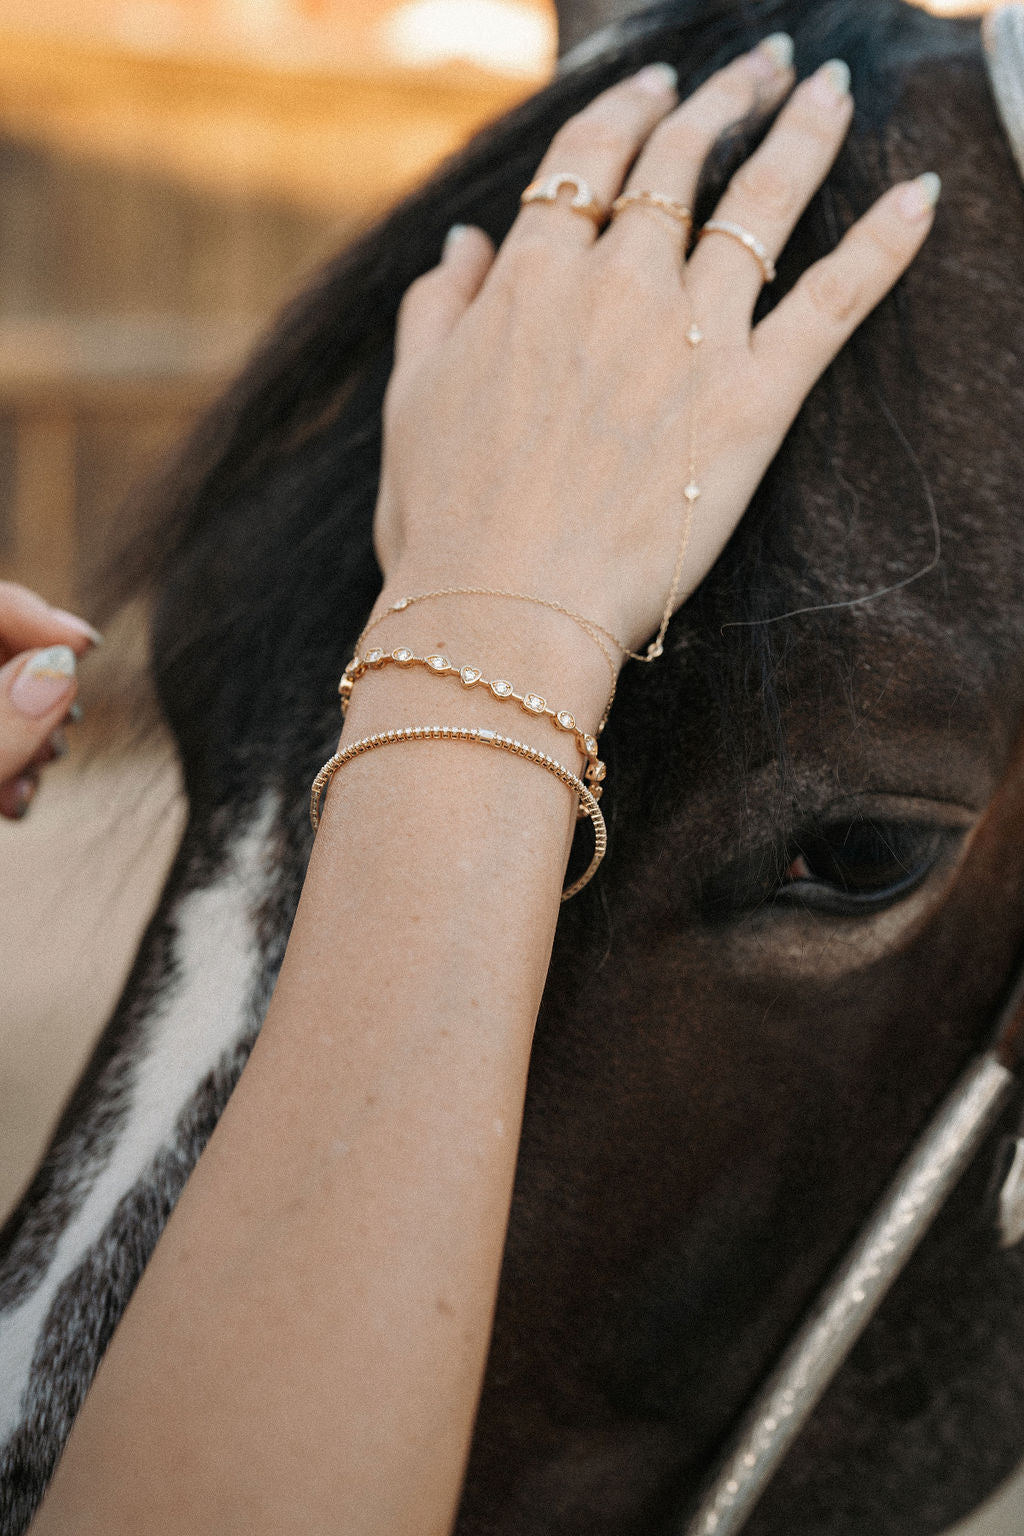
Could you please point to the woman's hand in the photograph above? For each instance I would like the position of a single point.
(39, 646)
(537, 421)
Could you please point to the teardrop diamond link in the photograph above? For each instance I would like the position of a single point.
(500, 688)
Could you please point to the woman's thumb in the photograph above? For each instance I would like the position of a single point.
(36, 689)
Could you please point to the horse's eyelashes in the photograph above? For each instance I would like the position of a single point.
(859, 866)
(852, 867)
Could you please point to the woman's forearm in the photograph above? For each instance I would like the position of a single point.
(305, 1349)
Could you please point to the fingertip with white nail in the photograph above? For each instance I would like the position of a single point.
(46, 679)
(778, 48)
(918, 198)
(81, 626)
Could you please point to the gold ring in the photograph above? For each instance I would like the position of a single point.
(748, 241)
(545, 189)
(669, 205)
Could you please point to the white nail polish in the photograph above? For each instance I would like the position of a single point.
(452, 238)
(92, 635)
(931, 186)
(920, 196)
(657, 78)
(43, 681)
(779, 48)
(832, 80)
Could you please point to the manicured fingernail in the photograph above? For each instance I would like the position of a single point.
(43, 681)
(74, 622)
(832, 81)
(778, 48)
(452, 238)
(657, 78)
(920, 196)
(24, 790)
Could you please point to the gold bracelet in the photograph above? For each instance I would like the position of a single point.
(588, 805)
(471, 677)
(589, 627)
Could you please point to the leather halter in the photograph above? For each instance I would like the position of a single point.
(851, 1298)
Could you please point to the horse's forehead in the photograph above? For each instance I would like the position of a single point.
(891, 705)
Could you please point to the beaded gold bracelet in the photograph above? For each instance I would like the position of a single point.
(589, 627)
(471, 677)
(483, 737)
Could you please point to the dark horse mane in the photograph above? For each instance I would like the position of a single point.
(743, 1070)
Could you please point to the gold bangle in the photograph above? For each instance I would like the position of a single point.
(471, 677)
(486, 738)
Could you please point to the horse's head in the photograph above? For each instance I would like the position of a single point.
(814, 896)
(799, 940)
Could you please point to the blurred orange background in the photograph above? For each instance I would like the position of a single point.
(169, 171)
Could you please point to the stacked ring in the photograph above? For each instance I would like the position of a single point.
(669, 205)
(545, 189)
(750, 243)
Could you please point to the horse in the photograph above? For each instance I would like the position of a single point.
(812, 904)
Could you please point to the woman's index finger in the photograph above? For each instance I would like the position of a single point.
(27, 621)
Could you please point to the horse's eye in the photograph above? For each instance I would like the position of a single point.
(858, 866)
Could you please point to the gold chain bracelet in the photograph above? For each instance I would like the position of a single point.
(589, 627)
(588, 805)
(471, 677)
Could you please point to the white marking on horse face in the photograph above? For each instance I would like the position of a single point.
(202, 1016)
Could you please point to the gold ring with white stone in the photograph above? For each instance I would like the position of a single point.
(545, 189)
(669, 205)
(749, 242)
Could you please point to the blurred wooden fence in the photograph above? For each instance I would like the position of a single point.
(87, 409)
(125, 302)
(154, 211)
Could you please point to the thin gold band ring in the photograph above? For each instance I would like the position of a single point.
(669, 205)
(749, 242)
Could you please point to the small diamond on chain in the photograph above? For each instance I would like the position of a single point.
(695, 335)
(403, 602)
(692, 491)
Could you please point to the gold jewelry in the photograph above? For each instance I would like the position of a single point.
(750, 243)
(588, 805)
(589, 626)
(669, 205)
(545, 189)
(472, 677)
(597, 632)
(691, 493)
